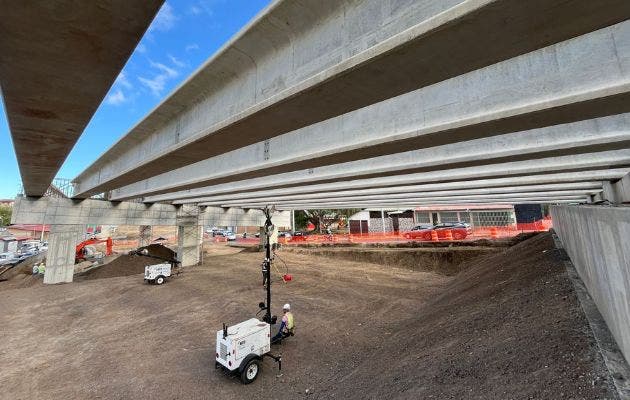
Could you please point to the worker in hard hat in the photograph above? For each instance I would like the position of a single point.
(287, 326)
(41, 269)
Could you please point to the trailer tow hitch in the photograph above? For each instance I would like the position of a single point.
(277, 359)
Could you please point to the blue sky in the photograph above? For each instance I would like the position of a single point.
(182, 36)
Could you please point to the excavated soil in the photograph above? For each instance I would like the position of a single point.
(508, 327)
(129, 264)
(21, 275)
(441, 260)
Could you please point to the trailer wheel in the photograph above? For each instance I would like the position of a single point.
(159, 280)
(250, 372)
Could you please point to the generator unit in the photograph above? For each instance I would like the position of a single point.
(157, 273)
(241, 347)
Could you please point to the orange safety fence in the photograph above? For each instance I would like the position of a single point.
(486, 232)
(474, 233)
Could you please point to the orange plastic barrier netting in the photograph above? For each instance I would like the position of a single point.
(486, 232)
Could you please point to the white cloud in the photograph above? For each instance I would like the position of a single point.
(122, 80)
(141, 48)
(167, 71)
(204, 6)
(157, 84)
(116, 98)
(192, 46)
(165, 19)
(176, 62)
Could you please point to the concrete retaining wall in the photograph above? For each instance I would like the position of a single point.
(597, 240)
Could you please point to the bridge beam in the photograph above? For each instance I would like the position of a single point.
(60, 211)
(270, 80)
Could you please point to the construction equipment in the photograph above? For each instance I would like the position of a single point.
(240, 348)
(85, 251)
(157, 273)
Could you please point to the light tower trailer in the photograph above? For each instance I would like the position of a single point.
(157, 273)
(241, 348)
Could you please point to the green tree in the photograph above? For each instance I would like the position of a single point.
(322, 218)
(5, 215)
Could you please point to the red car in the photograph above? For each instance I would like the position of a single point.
(459, 231)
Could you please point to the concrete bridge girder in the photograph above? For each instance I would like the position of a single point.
(60, 211)
(311, 154)
(57, 68)
(267, 116)
(413, 205)
(409, 199)
(570, 163)
(588, 188)
(337, 189)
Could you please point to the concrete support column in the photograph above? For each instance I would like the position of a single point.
(189, 235)
(608, 192)
(188, 239)
(62, 243)
(596, 197)
(622, 188)
(617, 192)
(146, 233)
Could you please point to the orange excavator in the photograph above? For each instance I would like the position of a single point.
(84, 249)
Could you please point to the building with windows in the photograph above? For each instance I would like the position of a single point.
(475, 215)
(388, 220)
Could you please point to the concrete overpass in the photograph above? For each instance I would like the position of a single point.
(378, 104)
(302, 63)
(59, 59)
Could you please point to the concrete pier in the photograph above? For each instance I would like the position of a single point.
(617, 192)
(61, 251)
(188, 248)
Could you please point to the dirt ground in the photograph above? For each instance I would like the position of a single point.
(442, 260)
(507, 327)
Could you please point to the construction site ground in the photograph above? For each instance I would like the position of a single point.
(508, 326)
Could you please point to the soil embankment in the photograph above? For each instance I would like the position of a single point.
(130, 264)
(508, 327)
(441, 260)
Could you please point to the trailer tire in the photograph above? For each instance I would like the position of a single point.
(250, 371)
(159, 280)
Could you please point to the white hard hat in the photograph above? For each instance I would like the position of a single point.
(286, 307)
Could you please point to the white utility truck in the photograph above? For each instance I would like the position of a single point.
(241, 347)
(157, 273)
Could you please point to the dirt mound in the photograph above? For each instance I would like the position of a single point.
(20, 275)
(442, 260)
(158, 250)
(130, 264)
(508, 327)
(122, 266)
